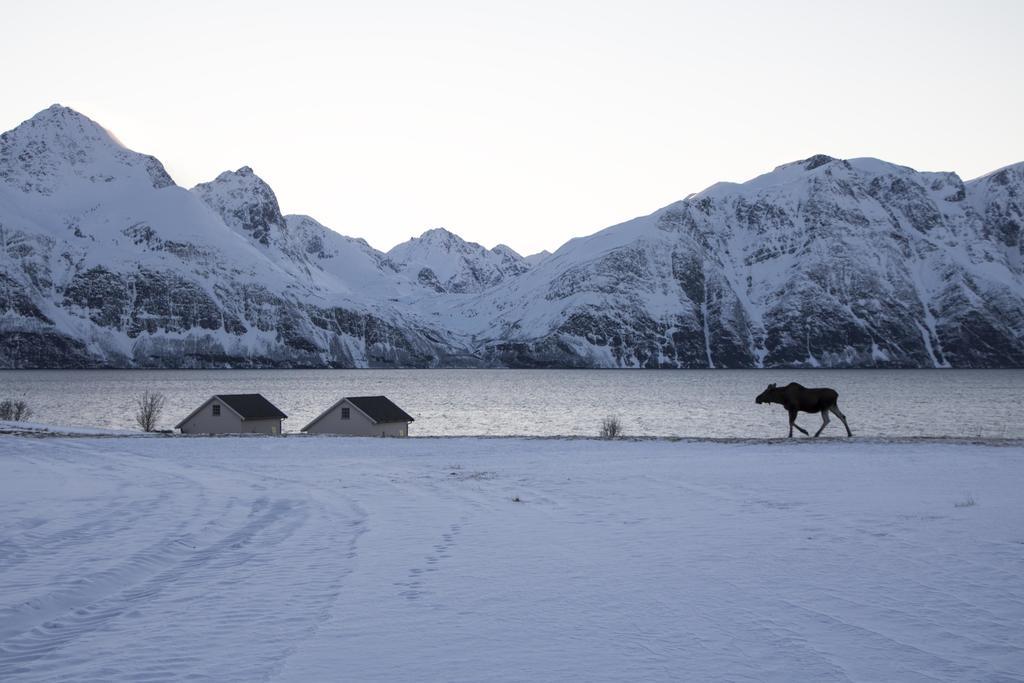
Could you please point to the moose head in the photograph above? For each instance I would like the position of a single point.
(769, 395)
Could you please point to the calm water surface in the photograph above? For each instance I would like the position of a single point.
(687, 403)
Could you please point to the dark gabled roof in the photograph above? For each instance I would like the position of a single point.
(379, 408)
(251, 406)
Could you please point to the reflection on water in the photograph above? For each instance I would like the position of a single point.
(688, 403)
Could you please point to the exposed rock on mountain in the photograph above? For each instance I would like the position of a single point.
(443, 262)
(58, 146)
(822, 262)
(105, 262)
(246, 204)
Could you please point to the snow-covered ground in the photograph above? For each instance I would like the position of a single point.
(45, 429)
(309, 559)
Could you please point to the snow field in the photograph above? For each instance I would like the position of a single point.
(359, 559)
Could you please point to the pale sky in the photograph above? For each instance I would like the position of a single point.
(526, 123)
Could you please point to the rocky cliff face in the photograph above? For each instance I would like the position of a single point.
(105, 262)
(821, 263)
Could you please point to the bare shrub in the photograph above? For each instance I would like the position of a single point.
(14, 410)
(611, 427)
(148, 408)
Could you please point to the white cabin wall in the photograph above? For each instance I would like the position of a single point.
(205, 422)
(269, 426)
(357, 424)
(394, 429)
(228, 422)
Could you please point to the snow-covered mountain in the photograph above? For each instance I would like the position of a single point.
(299, 244)
(822, 262)
(534, 259)
(104, 261)
(444, 262)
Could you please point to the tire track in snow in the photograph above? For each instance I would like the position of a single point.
(77, 619)
(176, 601)
(37, 545)
(91, 574)
(42, 535)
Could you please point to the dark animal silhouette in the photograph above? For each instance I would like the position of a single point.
(796, 398)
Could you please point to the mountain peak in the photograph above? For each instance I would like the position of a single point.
(803, 165)
(241, 183)
(243, 174)
(798, 172)
(445, 262)
(59, 112)
(507, 251)
(815, 161)
(435, 239)
(245, 202)
(59, 143)
(439, 234)
(78, 127)
(534, 259)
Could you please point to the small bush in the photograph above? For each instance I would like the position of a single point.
(611, 427)
(148, 408)
(14, 411)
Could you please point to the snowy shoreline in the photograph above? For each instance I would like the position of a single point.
(40, 430)
(509, 559)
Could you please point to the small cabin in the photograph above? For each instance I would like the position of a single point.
(362, 416)
(234, 414)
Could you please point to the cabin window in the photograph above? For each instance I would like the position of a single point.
(345, 414)
(216, 409)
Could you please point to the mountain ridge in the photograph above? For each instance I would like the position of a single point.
(821, 262)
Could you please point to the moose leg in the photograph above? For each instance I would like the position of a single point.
(824, 422)
(792, 423)
(835, 410)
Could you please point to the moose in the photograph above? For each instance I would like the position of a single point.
(797, 398)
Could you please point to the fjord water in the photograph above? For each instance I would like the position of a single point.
(685, 403)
